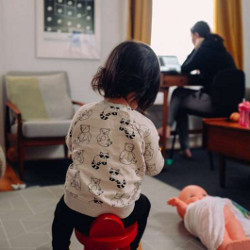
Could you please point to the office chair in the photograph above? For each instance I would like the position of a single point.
(228, 90)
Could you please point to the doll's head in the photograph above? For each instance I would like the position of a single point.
(192, 193)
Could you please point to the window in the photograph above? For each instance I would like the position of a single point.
(171, 23)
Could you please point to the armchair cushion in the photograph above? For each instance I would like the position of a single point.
(49, 128)
(40, 97)
(25, 93)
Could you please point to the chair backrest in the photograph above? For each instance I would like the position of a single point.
(44, 95)
(228, 90)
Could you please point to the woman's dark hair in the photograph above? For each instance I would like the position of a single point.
(201, 28)
(132, 67)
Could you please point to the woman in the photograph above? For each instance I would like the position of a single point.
(208, 57)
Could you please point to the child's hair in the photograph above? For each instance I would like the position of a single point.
(132, 67)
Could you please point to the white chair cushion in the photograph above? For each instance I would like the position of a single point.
(51, 128)
(56, 99)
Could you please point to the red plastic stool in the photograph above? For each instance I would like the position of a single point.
(107, 232)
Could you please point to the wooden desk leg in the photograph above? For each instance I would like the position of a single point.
(222, 166)
(164, 120)
(211, 160)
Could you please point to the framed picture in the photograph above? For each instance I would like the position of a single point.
(68, 29)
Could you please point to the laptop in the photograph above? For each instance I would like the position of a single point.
(169, 64)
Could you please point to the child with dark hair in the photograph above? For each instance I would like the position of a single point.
(113, 146)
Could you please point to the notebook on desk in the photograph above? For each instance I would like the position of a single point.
(169, 64)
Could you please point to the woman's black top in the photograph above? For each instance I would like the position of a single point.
(209, 58)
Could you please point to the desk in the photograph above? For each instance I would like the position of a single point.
(167, 81)
(228, 139)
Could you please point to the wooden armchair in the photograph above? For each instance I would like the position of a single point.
(23, 127)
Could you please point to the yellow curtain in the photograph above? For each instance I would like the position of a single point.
(228, 24)
(140, 20)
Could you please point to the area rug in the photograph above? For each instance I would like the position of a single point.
(181, 173)
(197, 171)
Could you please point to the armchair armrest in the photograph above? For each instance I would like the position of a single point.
(78, 103)
(18, 113)
(13, 107)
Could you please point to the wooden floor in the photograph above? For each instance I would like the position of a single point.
(8, 179)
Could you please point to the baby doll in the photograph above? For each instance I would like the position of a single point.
(216, 221)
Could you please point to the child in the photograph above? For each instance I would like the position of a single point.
(113, 146)
(216, 221)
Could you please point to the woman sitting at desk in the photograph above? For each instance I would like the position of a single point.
(209, 56)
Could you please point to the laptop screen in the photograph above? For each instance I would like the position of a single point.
(169, 63)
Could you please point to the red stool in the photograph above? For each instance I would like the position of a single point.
(107, 232)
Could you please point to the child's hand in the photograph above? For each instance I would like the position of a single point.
(173, 202)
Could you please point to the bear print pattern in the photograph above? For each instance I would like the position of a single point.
(108, 111)
(149, 152)
(94, 186)
(119, 200)
(135, 190)
(100, 159)
(117, 177)
(127, 156)
(83, 116)
(85, 136)
(77, 157)
(75, 181)
(103, 137)
(152, 169)
(140, 171)
(143, 130)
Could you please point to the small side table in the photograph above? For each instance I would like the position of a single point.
(229, 140)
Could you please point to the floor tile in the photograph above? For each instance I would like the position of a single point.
(26, 217)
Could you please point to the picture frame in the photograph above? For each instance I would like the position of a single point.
(68, 29)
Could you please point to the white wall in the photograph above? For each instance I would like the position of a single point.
(17, 45)
(1, 70)
(246, 37)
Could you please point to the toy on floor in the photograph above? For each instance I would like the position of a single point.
(215, 221)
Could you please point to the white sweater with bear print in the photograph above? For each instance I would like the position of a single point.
(112, 148)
